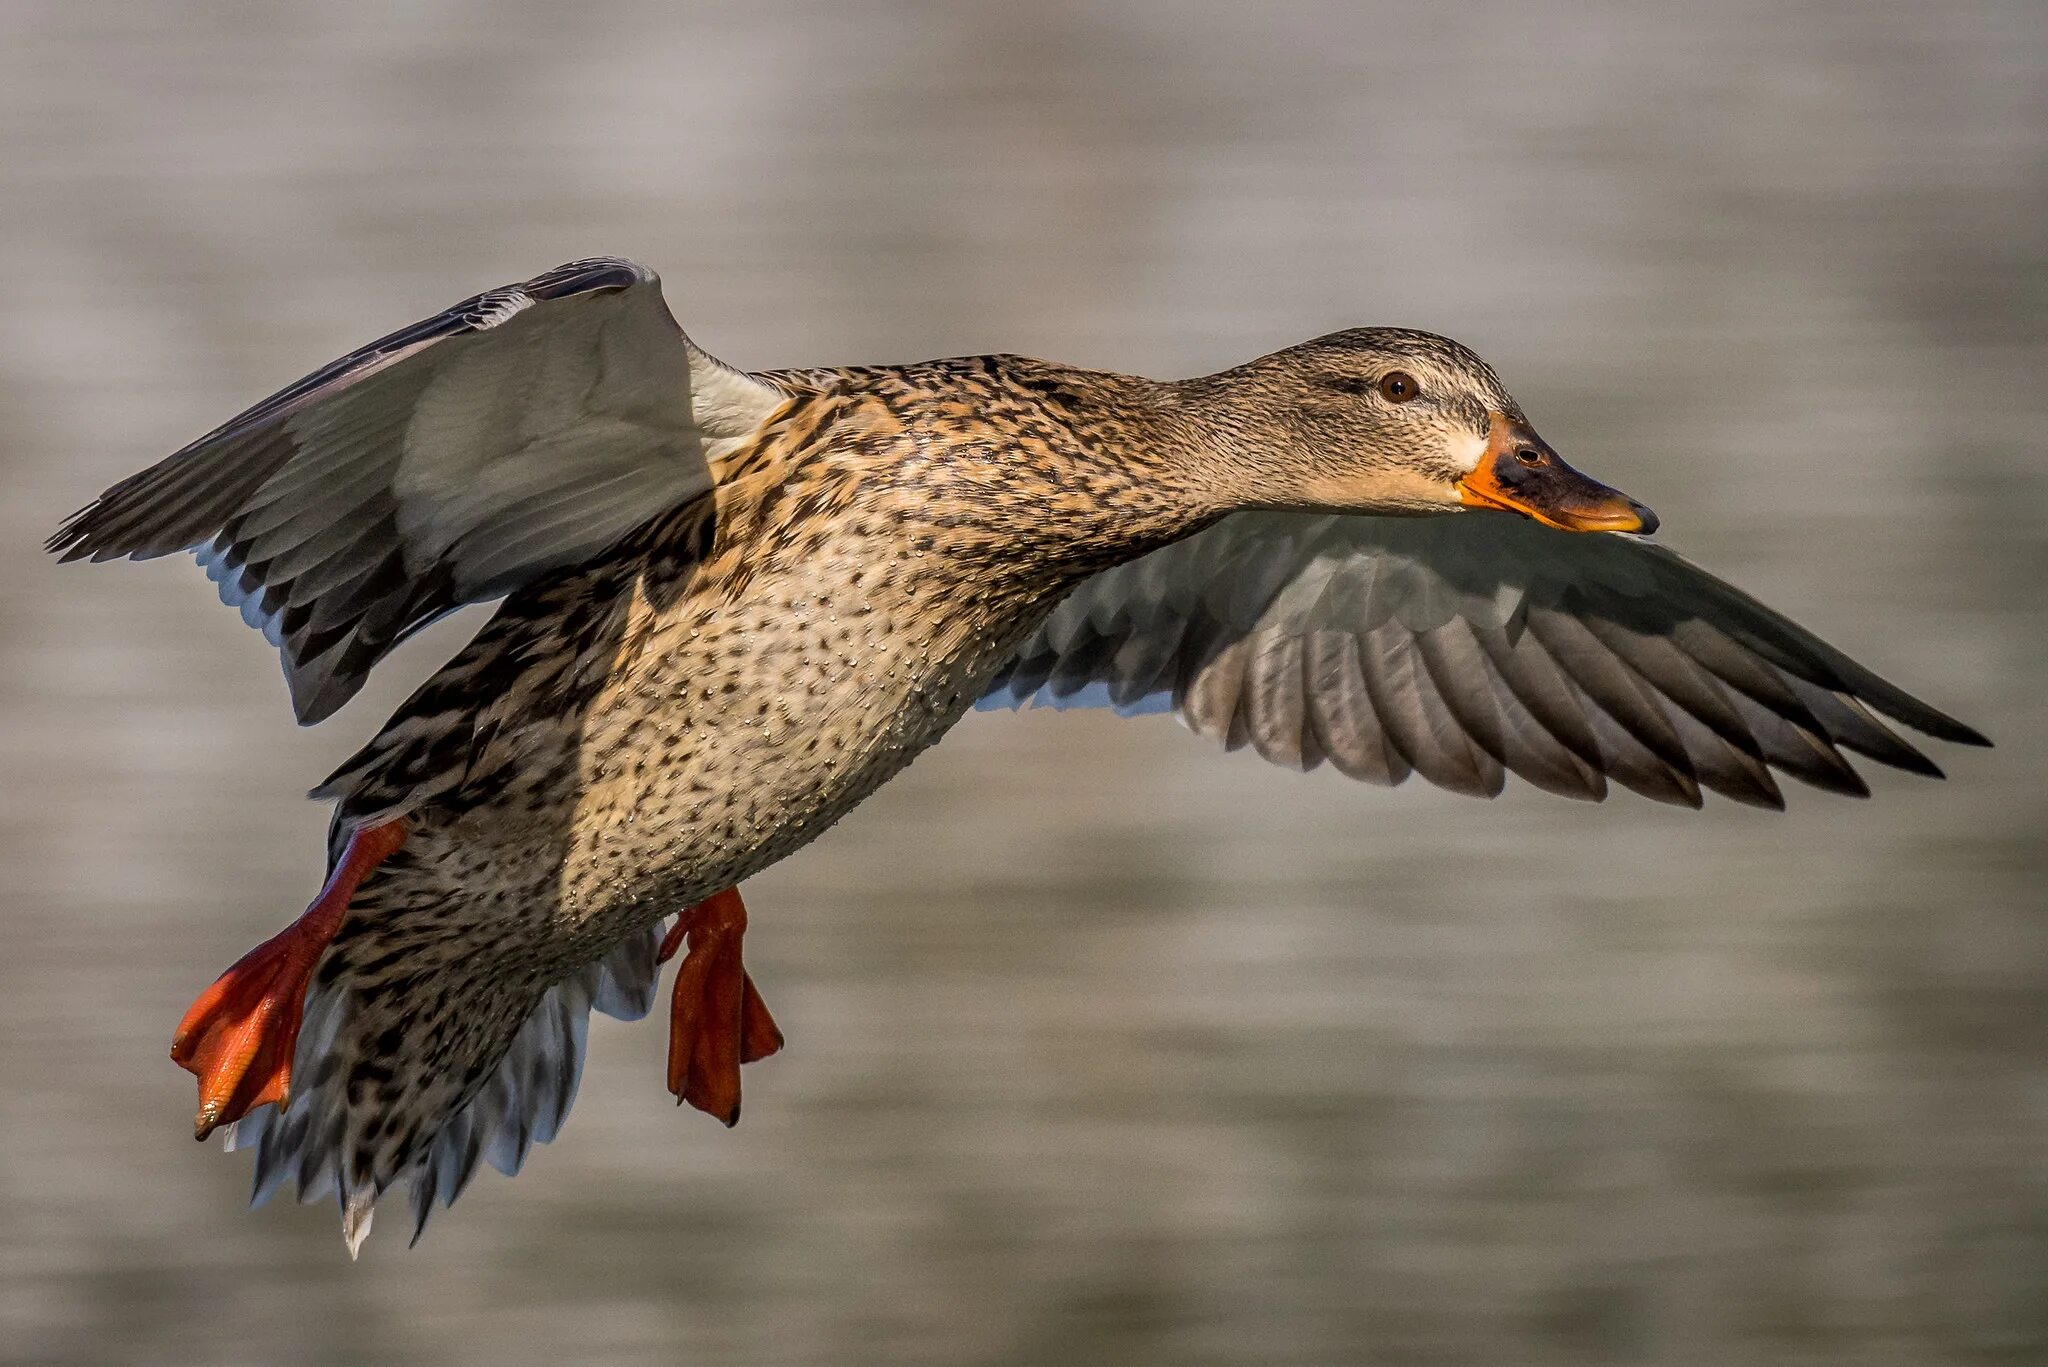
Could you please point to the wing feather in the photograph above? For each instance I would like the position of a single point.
(1496, 717)
(1416, 719)
(1611, 685)
(1347, 728)
(1464, 649)
(1275, 702)
(518, 432)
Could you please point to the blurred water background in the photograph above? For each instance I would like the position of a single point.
(1104, 1048)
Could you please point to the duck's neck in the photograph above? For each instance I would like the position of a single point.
(1240, 455)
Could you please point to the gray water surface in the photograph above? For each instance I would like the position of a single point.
(1103, 1047)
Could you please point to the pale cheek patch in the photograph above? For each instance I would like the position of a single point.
(1465, 450)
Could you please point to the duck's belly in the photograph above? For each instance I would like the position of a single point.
(730, 737)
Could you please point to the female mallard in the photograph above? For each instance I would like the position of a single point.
(735, 604)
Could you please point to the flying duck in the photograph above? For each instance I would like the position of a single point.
(734, 604)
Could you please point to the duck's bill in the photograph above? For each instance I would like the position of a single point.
(1519, 473)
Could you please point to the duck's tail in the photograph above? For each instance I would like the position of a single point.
(415, 1081)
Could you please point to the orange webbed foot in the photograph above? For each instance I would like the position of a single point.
(717, 1020)
(238, 1038)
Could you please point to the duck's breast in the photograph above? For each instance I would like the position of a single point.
(746, 714)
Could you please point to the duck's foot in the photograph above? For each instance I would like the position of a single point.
(717, 1020)
(239, 1036)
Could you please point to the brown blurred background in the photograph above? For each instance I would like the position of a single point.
(1104, 1048)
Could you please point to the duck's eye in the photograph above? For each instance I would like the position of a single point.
(1398, 386)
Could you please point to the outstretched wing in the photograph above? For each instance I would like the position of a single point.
(1466, 647)
(520, 431)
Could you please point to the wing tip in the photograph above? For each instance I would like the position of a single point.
(1849, 784)
(63, 543)
(1963, 734)
(81, 535)
(1932, 721)
(81, 538)
(1917, 764)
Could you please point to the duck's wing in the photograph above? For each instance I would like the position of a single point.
(1467, 647)
(520, 431)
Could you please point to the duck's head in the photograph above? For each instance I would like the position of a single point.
(1386, 420)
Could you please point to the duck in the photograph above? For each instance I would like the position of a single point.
(732, 604)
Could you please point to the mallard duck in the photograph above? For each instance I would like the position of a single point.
(734, 604)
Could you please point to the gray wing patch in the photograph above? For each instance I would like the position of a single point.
(522, 430)
(1464, 649)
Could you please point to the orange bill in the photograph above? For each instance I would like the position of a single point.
(1519, 473)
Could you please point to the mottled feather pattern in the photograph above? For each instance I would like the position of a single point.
(734, 605)
(523, 1101)
(621, 741)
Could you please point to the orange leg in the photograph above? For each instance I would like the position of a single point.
(239, 1036)
(716, 1020)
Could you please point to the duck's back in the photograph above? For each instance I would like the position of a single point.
(716, 692)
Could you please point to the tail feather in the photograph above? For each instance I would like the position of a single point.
(523, 1101)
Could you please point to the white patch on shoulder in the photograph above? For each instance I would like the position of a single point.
(727, 404)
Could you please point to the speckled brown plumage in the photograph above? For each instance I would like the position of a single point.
(828, 568)
(620, 742)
